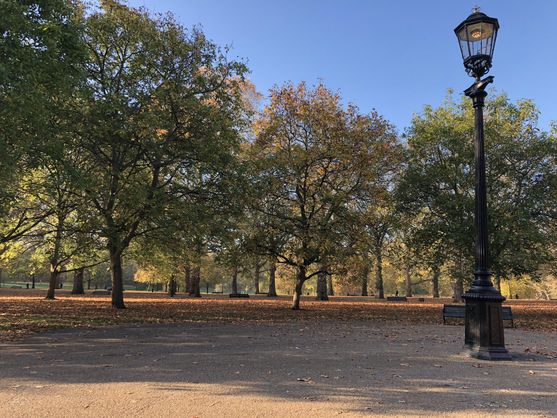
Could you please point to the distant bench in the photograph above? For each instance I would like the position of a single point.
(238, 295)
(397, 299)
(459, 311)
(101, 292)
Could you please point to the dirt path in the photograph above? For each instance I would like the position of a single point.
(280, 370)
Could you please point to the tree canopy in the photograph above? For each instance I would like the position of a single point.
(129, 139)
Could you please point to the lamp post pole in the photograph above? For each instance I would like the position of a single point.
(482, 282)
(484, 332)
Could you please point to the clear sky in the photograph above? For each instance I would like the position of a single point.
(391, 55)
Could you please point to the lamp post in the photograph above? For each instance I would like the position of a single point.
(484, 332)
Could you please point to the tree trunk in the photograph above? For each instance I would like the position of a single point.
(172, 286)
(458, 289)
(33, 281)
(458, 285)
(117, 279)
(435, 280)
(257, 276)
(497, 281)
(54, 259)
(322, 286)
(330, 290)
(78, 282)
(235, 280)
(408, 282)
(52, 284)
(187, 279)
(300, 279)
(379, 292)
(272, 285)
(195, 289)
(365, 274)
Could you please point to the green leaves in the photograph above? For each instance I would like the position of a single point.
(40, 52)
(439, 183)
(315, 164)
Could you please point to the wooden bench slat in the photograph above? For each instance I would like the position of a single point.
(238, 295)
(397, 299)
(459, 311)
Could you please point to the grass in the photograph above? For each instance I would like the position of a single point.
(25, 311)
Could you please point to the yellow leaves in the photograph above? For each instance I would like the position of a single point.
(210, 101)
(147, 275)
(161, 132)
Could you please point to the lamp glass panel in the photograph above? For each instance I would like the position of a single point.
(479, 31)
(462, 36)
(480, 38)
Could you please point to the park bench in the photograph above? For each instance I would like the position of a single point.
(238, 295)
(397, 299)
(100, 292)
(458, 311)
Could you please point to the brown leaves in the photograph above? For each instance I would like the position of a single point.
(25, 311)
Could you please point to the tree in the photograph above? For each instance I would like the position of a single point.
(322, 284)
(77, 288)
(160, 101)
(374, 210)
(41, 52)
(439, 186)
(378, 221)
(310, 158)
(61, 237)
(272, 292)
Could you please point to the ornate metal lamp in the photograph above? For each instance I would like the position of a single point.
(476, 37)
(484, 332)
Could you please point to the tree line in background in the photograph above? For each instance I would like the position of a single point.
(127, 137)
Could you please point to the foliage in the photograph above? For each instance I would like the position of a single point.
(161, 102)
(311, 158)
(129, 138)
(438, 186)
(40, 56)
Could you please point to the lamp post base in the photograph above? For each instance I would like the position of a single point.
(487, 353)
(484, 333)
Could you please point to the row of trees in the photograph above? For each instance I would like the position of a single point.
(127, 135)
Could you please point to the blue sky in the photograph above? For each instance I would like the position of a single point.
(394, 56)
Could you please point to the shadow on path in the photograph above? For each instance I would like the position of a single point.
(362, 368)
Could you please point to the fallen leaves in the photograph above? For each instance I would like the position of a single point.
(25, 311)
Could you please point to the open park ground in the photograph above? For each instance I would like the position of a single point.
(216, 357)
(24, 311)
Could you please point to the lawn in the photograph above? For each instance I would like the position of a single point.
(25, 311)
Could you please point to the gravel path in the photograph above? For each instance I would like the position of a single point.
(280, 370)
